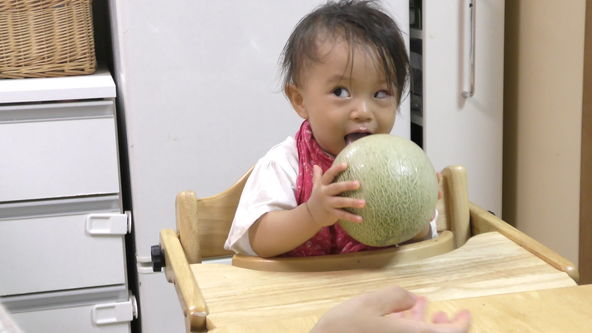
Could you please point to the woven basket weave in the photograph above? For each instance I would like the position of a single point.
(46, 38)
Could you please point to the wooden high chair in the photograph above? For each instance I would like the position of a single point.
(203, 225)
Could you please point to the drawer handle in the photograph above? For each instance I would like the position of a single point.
(117, 312)
(108, 224)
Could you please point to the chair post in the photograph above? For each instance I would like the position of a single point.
(186, 213)
(178, 272)
(457, 202)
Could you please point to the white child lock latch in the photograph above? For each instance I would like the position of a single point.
(108, 224)
(117, 312)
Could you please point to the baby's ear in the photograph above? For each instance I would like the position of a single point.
(296, 99)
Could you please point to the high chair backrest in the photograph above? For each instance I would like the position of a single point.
(203, 223)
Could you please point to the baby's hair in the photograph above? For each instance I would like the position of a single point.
(358, 23)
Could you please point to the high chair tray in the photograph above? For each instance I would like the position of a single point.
(487, 264)
(567, 309)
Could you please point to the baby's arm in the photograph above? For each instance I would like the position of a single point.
(280, 231)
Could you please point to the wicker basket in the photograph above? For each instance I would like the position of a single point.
(46, 38)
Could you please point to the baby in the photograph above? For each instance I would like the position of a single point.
(345, 69)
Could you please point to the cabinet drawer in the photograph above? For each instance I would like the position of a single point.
(58, 150)
(46, 246)
(73, 312)
(65, 320)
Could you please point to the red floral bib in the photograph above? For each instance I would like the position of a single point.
(332, 239)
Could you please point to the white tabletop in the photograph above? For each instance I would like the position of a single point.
(97, 85)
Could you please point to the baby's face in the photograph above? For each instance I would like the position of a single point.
(345, 100)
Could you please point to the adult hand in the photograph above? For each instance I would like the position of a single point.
(392, 309)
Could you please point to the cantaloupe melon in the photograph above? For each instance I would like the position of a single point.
(399, 184)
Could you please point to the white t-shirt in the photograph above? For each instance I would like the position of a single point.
(271, 186)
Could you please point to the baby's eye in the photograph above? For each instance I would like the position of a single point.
(341, 92)
(382, 94)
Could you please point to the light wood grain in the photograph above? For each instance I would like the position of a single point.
(300, 324)
(178, 272)
(457, 202)
(203, 224)
(186, 215)
(367, 259)
(483, 221)
(487, 264)
(551, 310)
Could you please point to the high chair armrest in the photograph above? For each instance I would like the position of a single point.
(358, 260)
(483, 221)
(178, 272)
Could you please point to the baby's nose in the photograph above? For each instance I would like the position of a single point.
(361, 111)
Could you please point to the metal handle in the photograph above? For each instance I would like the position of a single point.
(471, 91)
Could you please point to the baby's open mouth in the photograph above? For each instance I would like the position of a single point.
(355, 136)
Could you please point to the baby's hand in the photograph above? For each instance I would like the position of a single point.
(325, 205)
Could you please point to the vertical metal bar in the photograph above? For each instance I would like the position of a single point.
(471, 91)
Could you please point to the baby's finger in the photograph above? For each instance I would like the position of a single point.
(340, 187)
(333, 172)
(343, 202)
(346, 216)
(439, 179)
(317, 173)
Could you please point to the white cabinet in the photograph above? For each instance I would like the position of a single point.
(58, 150)
(62, 225)
(98, 310)
(459, 44)
(56, 249)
